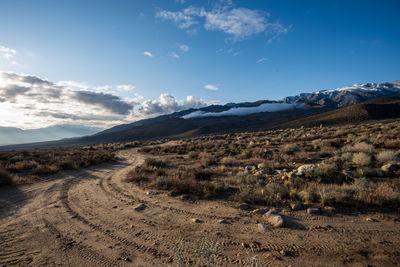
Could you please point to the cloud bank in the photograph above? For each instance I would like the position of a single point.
(29, 101)
(241, 111)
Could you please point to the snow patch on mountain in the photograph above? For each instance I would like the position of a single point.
(390, 86)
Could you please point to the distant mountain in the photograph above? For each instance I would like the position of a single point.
(351, 104)
(347, 95)
(12, 135)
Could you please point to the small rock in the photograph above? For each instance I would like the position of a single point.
(115, 207)
(303, 169)
(248, 169)
(195, 220)
(295, 206)
(140, 207)
(329, 209)
(173, 194)
(284, 252)
(245, 207)
(260, 211)
(223, 221)
(128, 259)
(152, 193)
(263, 227)
(313, 211)
(369, 219)
(245, 245)
(273, 218)
(390, 167)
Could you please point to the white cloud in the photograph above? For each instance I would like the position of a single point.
(103, 88)
(239, 23)
(6, 52)
(125, 87)
(29, 101)
(147, 53)
(73, 84)
(184, 47)
(211, 87)
(174, 55)
(261, 60)
(168, 104)
(241, 111)
(183, 19)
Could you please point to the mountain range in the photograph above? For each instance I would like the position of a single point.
(350, 104)
(12, 135)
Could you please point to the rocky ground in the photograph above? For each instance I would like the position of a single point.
(91, 217)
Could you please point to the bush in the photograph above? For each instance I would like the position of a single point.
(387, 156)
(291, 148)
(229, 161)
(151, 162)
(202, 175)
(5, 177)
(363, 147)
(361, 159)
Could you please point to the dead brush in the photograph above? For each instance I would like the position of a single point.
(5, 177)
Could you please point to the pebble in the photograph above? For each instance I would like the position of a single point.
(140, 207)
(313, 211)
(223, 221)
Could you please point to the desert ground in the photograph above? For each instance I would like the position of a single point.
(92, 217)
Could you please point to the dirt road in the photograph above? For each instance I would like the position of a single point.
(88, 218)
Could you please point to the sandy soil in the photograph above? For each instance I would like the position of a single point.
(87, 218)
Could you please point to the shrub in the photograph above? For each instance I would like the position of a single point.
(212, 189)
(138, 175)
(361, 159)
(229, 161)
(5, 177)
(151, 162)
(291, 148)
(363, 147)
(392, 144)
(193, 155)
(387, 156)
(202, 175)
(163, 182)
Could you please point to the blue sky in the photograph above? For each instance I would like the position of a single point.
(226, 51)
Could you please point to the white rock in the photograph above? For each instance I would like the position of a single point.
(273, 218)
(303, 169)
(263, 227)
(152, 193)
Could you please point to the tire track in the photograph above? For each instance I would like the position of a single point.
(99, 228)
(119, 191)
(82, 251)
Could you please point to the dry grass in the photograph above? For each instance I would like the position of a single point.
(28, 166)
(260, 167)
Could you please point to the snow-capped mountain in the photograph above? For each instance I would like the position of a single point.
(347, 95)
(340, 97)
